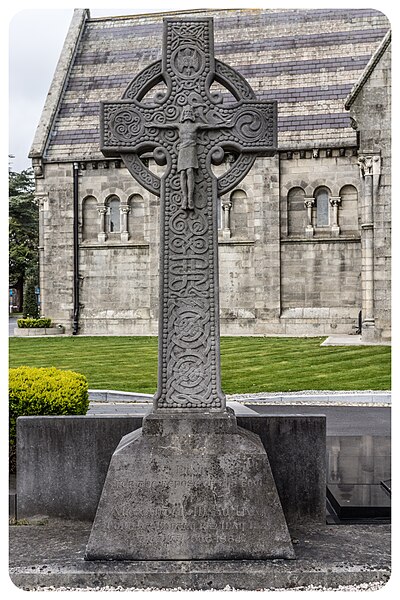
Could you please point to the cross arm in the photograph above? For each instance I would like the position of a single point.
(122, 128)
(251, 127)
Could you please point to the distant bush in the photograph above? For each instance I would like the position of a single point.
(44, 391)
(30, 323)
(30, 306)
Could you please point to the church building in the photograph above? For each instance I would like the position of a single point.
(304, 241)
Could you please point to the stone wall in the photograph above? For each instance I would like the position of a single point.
(63, 462)
(55, 197)
(281, 272)
(272, 275)
(370, 107)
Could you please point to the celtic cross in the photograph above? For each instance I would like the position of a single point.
(187, 127)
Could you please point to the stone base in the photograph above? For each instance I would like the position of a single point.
(38, 331)
(368, 332)
(189, 487)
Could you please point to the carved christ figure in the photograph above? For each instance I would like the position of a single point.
(187, 155)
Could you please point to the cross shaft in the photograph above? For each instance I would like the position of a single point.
(188, 128)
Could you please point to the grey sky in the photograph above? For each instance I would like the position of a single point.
(36, 40)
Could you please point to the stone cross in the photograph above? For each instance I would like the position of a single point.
(189, 484)
(187, 127)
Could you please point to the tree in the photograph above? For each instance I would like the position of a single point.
(23, 231)
(30, 306)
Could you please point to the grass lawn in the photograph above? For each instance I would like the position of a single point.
(248, 364)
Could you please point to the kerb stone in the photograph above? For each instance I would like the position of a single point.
(189, 488)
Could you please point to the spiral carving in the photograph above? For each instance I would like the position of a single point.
(127, 124)
(250, 125)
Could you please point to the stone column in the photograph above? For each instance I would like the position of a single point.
(334, 202)
(370, 174)
(42, 200)
(102, 236)
(124, 222)
(226, 225)
(309, 203)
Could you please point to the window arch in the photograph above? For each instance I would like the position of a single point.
(321, 207)
(234, 214)
(90, 218)
(348, 210)
(296, 211)
(113, 215)
(136, 217)
(238, 213)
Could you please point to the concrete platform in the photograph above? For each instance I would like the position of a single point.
(350, 340)
(51, 554)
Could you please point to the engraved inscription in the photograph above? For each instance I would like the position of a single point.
(206, 499)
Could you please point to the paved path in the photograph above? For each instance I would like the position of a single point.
(12, 323)
(350, 340)
(340, 420)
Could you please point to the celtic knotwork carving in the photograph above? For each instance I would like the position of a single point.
(141, 173)
(233, 81)
(188, 62)
(126, 124)
(189, 357)
(183, 31)
(238, 171)
(171, 113)
(143, 82)
(191, 129)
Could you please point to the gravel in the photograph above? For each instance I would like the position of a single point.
(371, 587)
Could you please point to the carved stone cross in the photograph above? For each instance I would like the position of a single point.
(187, 128)
(189, 484)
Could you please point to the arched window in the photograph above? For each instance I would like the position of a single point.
(322, 207)
(238, 213)
(113, 217)
(136, 217)
(348, 211)
(234, 215)
(90, 218)
(296, 213)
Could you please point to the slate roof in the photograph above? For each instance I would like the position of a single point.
(368, 70)
(308, 60)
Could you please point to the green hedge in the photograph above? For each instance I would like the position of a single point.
(45, 391)
(29, 323)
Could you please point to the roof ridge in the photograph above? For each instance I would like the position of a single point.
(368, 70)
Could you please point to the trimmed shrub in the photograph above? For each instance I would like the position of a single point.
(30, 323)
(45, 391)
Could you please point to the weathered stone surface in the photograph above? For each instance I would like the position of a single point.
(370, 108)
(63, 462)
(296, 448)
(186, 488)
(37, 331)
(190, 485)
(52, 555)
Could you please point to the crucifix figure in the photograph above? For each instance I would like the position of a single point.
(187, 156)
(175, 487)
(187, 129)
